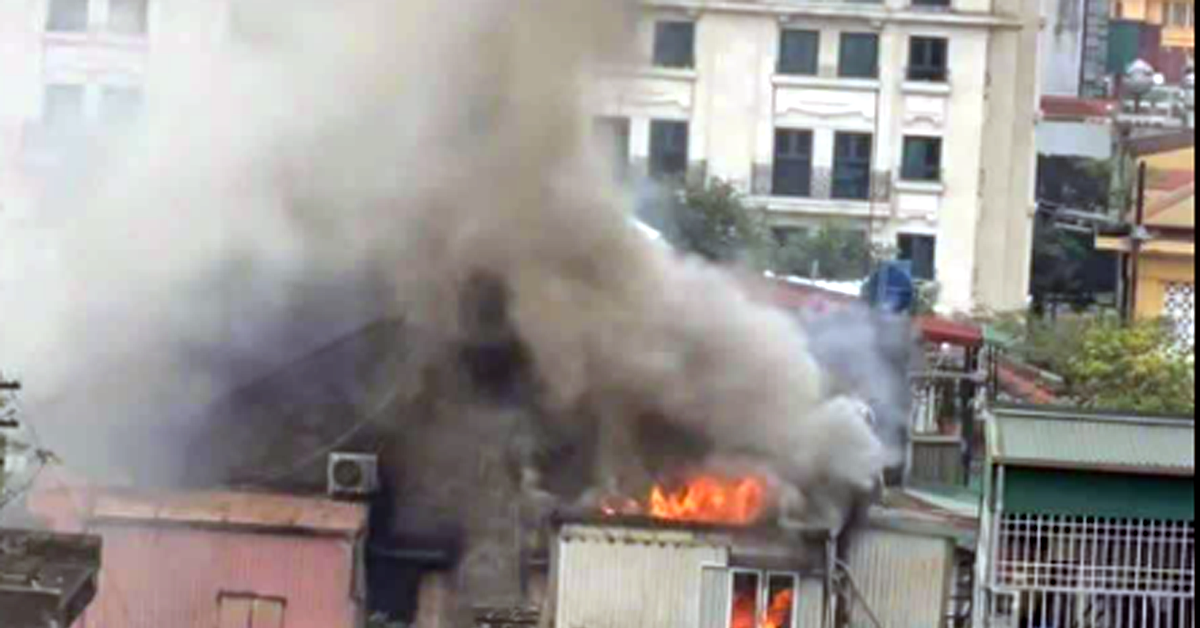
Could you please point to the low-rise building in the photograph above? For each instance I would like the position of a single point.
(223, 560)
(1089, 520)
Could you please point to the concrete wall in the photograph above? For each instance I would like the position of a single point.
(1157, 273)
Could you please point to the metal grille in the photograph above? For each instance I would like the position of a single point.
(1096, 573)
(1181, 309)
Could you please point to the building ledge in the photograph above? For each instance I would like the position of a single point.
(920, 187)
(819, 207)
(667, 74)
(926, 89)
(847, 9)
(858, 85)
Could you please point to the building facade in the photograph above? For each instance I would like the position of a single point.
(1176, 17)
(1089, 520)
(1074, 49)
(911, 122)
(218, 559)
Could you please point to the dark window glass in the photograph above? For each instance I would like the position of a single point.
(128, 17)
(63, 109)
(675, 45)
(859, 56)
(68, 16)
(921, 251)
(922, 159)
(120, 105)
(935, 4)
(852, 166)
(929, 59)
(799, 52)
(668, 148)
(613, 134)
(793, 163)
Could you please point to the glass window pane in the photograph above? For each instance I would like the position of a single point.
(859, 56)
(928, 59)
(668, 148)
(781, 602)
(127, 17)
(922, 159)
(800, 52)
(921, 251)
(852, 166)
(68, 16)
(63, 107)
(675, 44)
(745, 612)
(120, 105)
(793, 163)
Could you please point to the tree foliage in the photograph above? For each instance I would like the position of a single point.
(830, 252)
(711, 220)
(1135, 367)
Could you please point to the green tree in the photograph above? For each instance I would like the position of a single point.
(711, 220)
(832, 252)
(1136, 367)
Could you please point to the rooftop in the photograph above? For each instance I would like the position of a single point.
(1077, 440)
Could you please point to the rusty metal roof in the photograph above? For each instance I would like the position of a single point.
(1083, 441)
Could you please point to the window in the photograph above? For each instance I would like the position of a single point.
(928, 59)
(852, 166)
(922, 159)
(1181, 15)
(68, 16)
(668, 148)
(675, 45)
(249, 611)
(921, 251)
(799, 52)
(613, 135)
(63, 109)
(121, 105)
(859, 56)
(759, 599)
(128, 17)
(932, 4)
(793, 163)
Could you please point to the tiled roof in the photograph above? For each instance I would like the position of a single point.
(1078, 440)
(1076, 108)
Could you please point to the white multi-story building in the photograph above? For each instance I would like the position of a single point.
(911, 120)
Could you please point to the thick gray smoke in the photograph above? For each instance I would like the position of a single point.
(379, 157)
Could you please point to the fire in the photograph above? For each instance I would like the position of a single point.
(777, 615)
(710, 499)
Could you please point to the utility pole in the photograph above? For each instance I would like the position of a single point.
(1137, 239)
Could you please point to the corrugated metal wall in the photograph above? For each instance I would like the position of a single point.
(171, 577)
(904, 578)
(627, 580)
(714, 602)
(812, 603)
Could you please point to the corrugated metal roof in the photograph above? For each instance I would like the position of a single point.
(172, 577)
(1096, 442)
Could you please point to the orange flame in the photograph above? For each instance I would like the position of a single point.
(778, 615)
(709, 499)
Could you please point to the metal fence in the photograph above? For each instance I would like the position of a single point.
(1085, 572)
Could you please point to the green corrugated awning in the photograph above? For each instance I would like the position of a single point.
(1107, 443)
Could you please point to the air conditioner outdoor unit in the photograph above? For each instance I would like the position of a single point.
(353, 475)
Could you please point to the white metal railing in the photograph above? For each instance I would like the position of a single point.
(1088, 572)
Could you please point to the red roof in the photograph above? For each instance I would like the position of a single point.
(943, 331)
(1076, 108)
